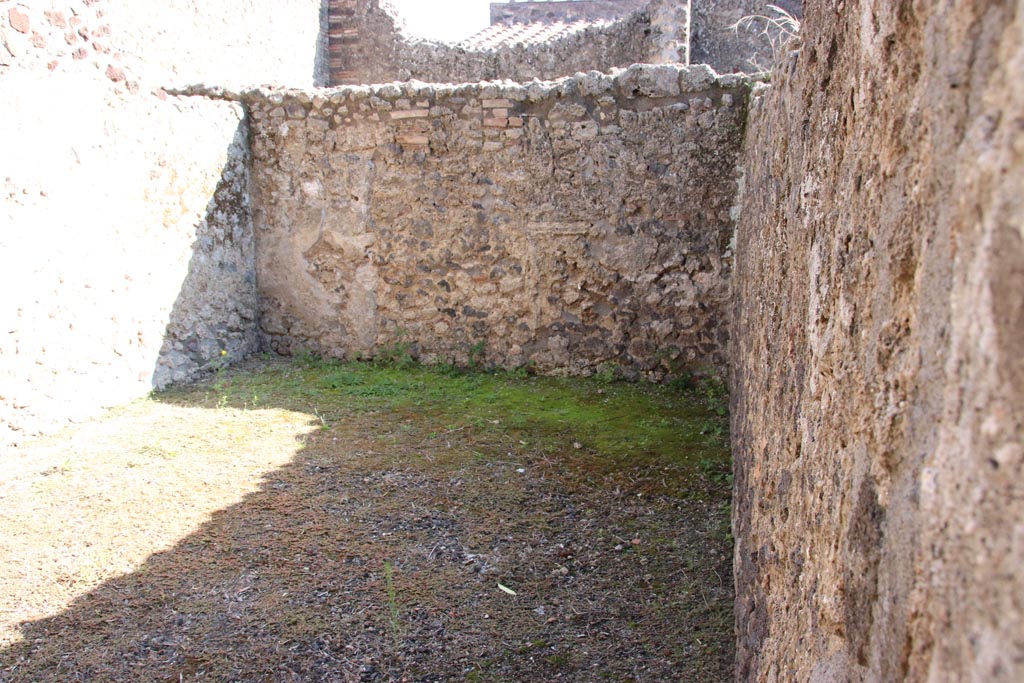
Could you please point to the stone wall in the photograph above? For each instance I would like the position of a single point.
(878, 363)
(126, 256)
(563, 10)
(368, 46)
(564, 225)
(600, 48)
(670, 32)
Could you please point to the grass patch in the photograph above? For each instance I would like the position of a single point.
(610, 422)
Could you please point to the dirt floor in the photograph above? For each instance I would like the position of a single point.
(314, 521)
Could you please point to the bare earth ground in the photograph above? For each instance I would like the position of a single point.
(314, 521)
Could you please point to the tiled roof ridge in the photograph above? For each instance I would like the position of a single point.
(508, 35)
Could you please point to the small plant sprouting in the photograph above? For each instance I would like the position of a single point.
(716, 395)
(608, 373)
(522, 372)
(219, 385)
(394, 624)
(397, 355)
(716, 471)
(476, 354)
(307, 359)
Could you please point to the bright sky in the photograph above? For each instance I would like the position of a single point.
(450, 20)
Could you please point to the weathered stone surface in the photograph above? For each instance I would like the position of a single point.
(670, 35)
(878, 362)
(126, 256)
(571, 232)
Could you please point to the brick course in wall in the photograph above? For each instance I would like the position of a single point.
(343, 40)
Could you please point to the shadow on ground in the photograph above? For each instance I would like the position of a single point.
(392, 548)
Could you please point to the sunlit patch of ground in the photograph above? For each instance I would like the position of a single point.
(97, 500)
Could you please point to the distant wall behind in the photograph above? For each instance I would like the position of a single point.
(568, 225)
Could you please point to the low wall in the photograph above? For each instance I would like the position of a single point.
(127, 255)
(566, 225)
(603, 48)
(878, 370)
(368, 47)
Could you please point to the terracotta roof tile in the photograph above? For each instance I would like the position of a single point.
(500, 35)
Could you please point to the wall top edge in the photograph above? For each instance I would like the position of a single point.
(637, 81)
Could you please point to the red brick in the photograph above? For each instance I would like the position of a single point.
(115, 74)
(412, 139)
(497, 104)
(38, 40)
(80, 53)
(56, 19)
(19, 20)
(410, 114)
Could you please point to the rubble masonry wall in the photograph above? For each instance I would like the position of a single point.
(566, 225)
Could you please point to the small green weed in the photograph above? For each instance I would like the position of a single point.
(220, 385)
(716, 394)
(716, 471)
(307, 359)
(398, 354)
(723, 529)
(476, 355)
(522, 372)
(608, 373)
(394, 623)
